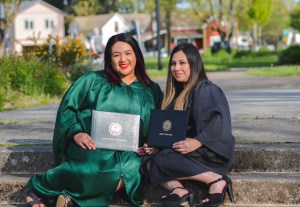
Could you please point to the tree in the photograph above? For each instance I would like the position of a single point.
(109, 6)
(295, 21)
(200, 11)
(86, 8)
(10, 8)
(167, 7)
(221, 15)
(295, 18)
(259, 13)
(272, 32)
(57, 3)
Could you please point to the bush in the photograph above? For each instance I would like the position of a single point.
(33, 78)
(289, 55)
(29, 78)
(4, 81)
(250, 53)
(63, 54)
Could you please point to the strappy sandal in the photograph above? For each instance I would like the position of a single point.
(35, 200)
(64, 201)
(174, 200)
(217, 199)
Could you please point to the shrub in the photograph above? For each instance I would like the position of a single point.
(64, 54)
(4, 81)
(250, 53)
(33, 78)
(289, 55)
(29, 78)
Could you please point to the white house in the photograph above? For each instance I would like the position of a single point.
(108, 24)
(36, 18)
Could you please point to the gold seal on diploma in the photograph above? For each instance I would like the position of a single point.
(167, 125)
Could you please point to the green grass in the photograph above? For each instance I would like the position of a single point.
(157, 73)
(282, 71)
(220, 61)
(21, 101)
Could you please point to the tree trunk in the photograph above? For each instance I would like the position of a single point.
(254, 35)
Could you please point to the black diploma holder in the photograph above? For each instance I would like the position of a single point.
(115, 131)
(167, 127)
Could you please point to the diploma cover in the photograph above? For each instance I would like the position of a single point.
(115, 131)
(167, 127)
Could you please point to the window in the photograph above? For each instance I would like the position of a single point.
(49, 24)
(116, 27)
(29, 25)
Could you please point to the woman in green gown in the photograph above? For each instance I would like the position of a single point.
(86, 175)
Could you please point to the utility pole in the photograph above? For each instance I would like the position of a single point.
(159, 65)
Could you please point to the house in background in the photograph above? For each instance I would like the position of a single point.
(35, 19)
(108, 24)
(111, 24)
(186, 29)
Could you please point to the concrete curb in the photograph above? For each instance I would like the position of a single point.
(255, 157)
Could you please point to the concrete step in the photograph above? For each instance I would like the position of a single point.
(251, 157)
(250, 189)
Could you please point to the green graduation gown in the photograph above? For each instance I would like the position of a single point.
(90, 177)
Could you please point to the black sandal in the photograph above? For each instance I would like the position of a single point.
(62, 201)
(174, 200)
(35, 200)
(217, 199)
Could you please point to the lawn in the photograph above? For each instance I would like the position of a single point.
(222, 61)
(291, 70)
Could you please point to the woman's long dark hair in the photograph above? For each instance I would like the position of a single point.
(197, 74)
(140, 69)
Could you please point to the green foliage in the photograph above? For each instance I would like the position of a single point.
(64, 54)
(223, 60)
(260, 11)
(275, 71)
(86, 8)
(246, 59)
(30, 78)
(34, 77)
(152, 63)
(289, 55)
(264, 52)
(295, 18)
(272, 31)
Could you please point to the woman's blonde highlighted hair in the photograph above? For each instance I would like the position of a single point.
(174, 89)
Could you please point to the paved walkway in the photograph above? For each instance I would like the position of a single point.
(263, 109)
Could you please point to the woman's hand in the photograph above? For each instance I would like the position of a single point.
(146, 150)
(141, 151)
(84, 141)
(186, 146)
(150, 150)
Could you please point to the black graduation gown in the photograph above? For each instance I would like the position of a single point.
(210, 123)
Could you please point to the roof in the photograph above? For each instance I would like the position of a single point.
(27, 4)
(184, 20)
(143, 19)
(87, 23)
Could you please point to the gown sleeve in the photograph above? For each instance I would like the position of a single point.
(67, 123)
(211, 115)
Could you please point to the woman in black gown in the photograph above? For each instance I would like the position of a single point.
(207, 153)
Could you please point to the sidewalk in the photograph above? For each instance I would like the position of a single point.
(263, 109)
